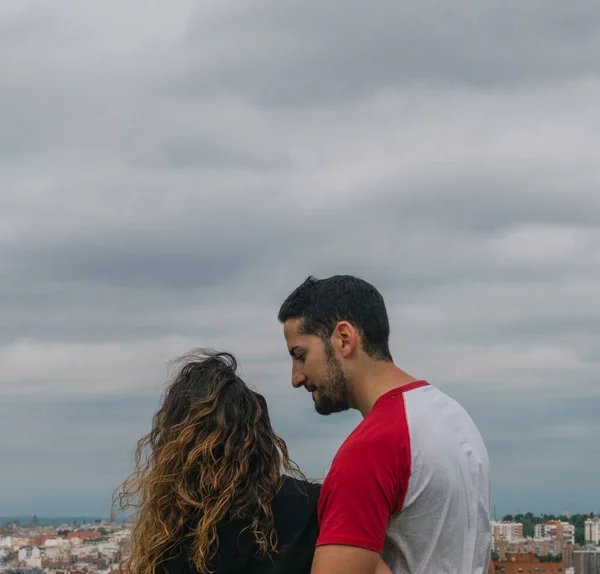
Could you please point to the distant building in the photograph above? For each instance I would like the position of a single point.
(517, 563)
(561, 532)
(87, 535)
(503, 531)
(568, 555)
(54, 562)
(56, 542)
(31, 556)
(6, 542)
(14, 542)
(592, 531)
(538, 546)
(587, 561)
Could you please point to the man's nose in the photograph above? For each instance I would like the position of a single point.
(298, 378)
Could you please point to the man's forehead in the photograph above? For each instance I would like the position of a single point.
(291, 328)
(296, 340)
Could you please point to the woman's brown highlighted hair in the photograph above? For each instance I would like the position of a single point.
(211, 455)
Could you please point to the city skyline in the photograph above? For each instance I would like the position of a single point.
(34, 519)
(99, 546)
(168, 179)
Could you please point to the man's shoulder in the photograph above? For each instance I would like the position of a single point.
(381, 436)
(435, 406)
(387, 421)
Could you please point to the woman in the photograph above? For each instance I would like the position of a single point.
(208, 483)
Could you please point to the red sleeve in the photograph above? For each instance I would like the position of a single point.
(368, 480)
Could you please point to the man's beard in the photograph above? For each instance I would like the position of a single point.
(332, 394)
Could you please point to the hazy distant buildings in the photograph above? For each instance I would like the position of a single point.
(552, 538)
(562, 533)
(592, 531)
(568, 555)
(503, 531)
(587, 561)
(519, 562)
(96, 549)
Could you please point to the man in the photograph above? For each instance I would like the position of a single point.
(411, 483)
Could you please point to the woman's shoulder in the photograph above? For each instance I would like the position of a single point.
(299, 486)
(298, 494)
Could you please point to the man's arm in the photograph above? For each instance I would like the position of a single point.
(382, 568)
(337, 559)
(365, 487)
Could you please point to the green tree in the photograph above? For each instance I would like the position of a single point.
(528, 526)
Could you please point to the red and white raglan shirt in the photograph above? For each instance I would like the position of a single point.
(412, 483)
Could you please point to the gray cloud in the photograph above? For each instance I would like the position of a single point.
(298, 53)
(167, 182)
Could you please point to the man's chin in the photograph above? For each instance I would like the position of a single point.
(321, 411)
(325, 408)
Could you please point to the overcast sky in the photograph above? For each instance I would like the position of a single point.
(170, 171)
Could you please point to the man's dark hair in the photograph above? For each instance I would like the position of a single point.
(323, 303)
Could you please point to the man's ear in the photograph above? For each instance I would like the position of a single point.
(345, 337)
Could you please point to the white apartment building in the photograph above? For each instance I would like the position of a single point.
(108, 550)
(6, 542)
(503, 531)
(84, 550)
(55, 552)
(57, 543)
(13, 542)
(31, 556)
(592, 531)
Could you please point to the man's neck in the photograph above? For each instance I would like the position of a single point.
(379, 378)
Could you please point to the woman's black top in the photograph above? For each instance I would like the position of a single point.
(295, 513)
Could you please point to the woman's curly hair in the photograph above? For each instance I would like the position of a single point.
(211, 455)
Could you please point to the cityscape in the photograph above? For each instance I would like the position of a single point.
(63, 548)
(547, 543)
(567, 544)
